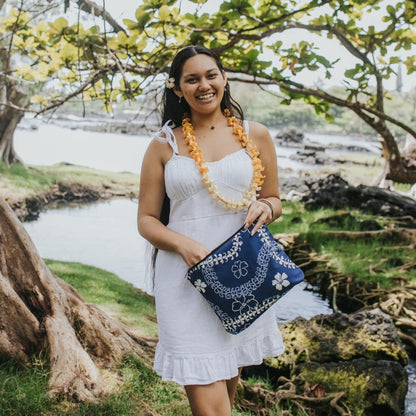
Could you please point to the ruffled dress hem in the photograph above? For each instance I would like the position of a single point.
(207, 368)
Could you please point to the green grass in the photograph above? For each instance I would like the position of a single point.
(264, 383)
(25, 181)
(309, 220)
(370, 262)
(23, 391)
(130, 305)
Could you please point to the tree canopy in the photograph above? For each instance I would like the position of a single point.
(114, 61)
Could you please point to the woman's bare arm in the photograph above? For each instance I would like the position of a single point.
(151, 196)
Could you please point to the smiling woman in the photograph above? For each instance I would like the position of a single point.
(201, 85)
(210, 165)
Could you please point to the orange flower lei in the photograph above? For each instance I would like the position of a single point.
(196, 154)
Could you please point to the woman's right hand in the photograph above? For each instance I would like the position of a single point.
(192, 251)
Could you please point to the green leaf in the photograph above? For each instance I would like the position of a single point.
(394, 60)
(140, 11)
(164, 13)
(59, 25)
(130, 24)
(329, 117)
(286, 101)
(351, 73)
(226, 6)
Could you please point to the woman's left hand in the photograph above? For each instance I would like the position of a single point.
(260, 213)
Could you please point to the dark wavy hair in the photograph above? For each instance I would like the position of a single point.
(172, 108)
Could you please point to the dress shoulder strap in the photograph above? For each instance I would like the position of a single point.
(165, 134)
(246, 127)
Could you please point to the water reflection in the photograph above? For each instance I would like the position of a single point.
(300, 301)
(51, 144)
(102, 235)
(411, 394)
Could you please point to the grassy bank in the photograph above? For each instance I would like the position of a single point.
(20, 182)
(23, 391)
(121, 300)
(372, 261)
(357, 168)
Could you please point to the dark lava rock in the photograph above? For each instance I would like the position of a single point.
(369, 225)
(335, 192)
(290, 137)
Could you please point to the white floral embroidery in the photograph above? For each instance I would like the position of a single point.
(200, 285)
(246, 304)
(280, 281)
(239, 269)
(170, 83)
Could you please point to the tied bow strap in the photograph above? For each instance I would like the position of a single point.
(165, 134)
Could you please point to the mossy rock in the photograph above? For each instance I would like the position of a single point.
(339, 364)
(371, 388)
(339, 337)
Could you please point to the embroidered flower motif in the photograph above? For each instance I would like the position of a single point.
(200, 285)
(170, 83)
(280, 281)
(239, 269)
(246, 304)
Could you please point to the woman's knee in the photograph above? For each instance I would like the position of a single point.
(209, 400)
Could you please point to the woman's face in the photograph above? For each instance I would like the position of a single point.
(202, 84)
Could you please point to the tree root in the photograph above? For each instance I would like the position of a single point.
(41, 313)
(402, 235)
(260, 400)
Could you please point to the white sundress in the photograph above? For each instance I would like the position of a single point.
(193, 346)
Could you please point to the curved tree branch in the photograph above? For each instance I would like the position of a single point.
(94, 9)
(339, 35)
(297, 88)
(96, 76)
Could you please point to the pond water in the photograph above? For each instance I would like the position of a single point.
(50, 144)
(104, 235)
(411, 393)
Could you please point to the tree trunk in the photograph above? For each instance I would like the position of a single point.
(41, 313)
(10, 115)
(400, 173)
(9, 119)
(396, 167)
